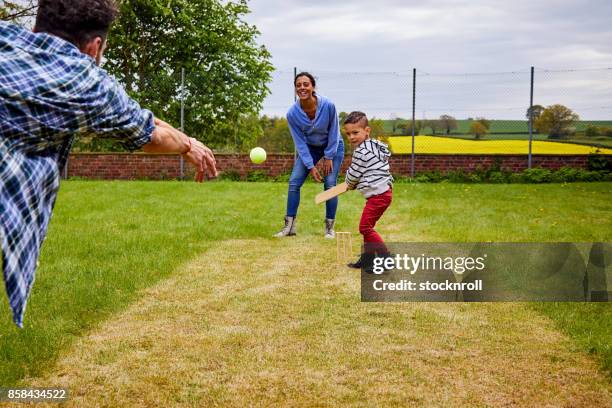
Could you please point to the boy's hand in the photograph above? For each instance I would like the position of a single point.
(316, 175)
(328, 166)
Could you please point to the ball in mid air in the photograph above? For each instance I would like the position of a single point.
(258, 155)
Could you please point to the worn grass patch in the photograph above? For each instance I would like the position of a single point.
(110, 241)
(275, 323)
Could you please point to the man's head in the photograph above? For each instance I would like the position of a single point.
(84, 23)
(356, 127)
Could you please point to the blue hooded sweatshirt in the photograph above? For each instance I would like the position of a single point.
(322, 131)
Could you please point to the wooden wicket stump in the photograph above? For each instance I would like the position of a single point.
(344, 246)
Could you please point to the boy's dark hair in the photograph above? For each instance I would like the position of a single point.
(76, 21)
(356, 117)
(306, 74)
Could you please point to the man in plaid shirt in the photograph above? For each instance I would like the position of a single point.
(52, 89)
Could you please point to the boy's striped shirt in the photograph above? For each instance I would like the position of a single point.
(369, 171)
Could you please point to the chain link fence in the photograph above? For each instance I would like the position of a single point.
(533, 111)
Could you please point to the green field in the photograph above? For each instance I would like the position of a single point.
(175, 294)
(515, 130)
(505, 126)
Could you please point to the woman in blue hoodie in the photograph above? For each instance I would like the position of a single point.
(313, 122)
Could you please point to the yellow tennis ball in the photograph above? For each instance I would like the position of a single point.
(258, 155)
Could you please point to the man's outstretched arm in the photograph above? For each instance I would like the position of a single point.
(167, 139)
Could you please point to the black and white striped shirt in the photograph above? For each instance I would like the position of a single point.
(369, 171)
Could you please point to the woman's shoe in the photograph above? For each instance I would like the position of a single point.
(289, 228)
(329, 228)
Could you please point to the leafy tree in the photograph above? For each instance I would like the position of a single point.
(225, 70)
(17, 11)
(433, 124)
(394, 122)
(276, 136)
(557, 121)
(448, 122)
(484, 122)
(378, 128)
(478, 129)
(406, 127)
(537, 112)
(592, 131)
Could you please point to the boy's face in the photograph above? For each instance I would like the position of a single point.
(356, 133)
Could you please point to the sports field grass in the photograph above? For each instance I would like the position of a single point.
(449, 145)
(170, 293)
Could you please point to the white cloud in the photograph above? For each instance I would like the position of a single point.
(440, 36)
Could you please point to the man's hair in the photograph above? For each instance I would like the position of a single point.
(356, 117)
(76, 21)
(306, 74)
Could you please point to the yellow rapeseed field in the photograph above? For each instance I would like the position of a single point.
(432, 144)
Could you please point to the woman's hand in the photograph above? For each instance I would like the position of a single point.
(316, 175)
(328, 166)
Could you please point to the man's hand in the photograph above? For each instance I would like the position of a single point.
(328, 166)
(316, 175)
(167, 139)
(202, 159)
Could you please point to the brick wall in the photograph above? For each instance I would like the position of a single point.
(158, 166)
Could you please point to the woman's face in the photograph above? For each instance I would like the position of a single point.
(303, 87)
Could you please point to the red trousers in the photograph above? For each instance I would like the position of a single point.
(373, 210)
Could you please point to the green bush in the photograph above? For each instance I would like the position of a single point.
(257, 175)
(475, 177)
(537, 175)
(429, 177)
(516, 178)
(479, 175)
(598, 162)
(585, 175)
(565, 175)
(497, 177)
(231, 175)
(456, 176)
(592, 131)
(282, 178)
(399, 179)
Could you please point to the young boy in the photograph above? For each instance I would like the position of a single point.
(369, 173)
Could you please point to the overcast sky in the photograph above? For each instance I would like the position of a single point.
(362, 53)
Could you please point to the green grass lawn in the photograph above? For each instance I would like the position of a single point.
(109, 240)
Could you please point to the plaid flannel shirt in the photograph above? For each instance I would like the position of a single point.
(49, 92)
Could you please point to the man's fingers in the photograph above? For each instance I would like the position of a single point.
(211, 163)
(207, 159)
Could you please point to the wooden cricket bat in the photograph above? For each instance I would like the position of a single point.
(331, 193)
